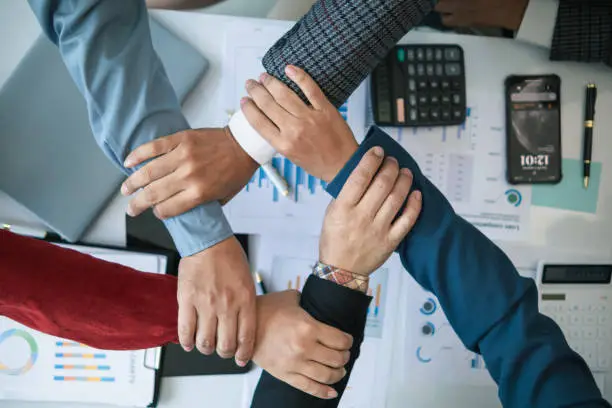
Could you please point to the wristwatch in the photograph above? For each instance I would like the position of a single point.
(341, 277)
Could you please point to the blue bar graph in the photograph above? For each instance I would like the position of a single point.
(477, 363)
(294, 175)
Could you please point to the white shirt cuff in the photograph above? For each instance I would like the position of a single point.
(538, 23)
(251, 142)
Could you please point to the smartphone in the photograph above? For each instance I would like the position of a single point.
(533, 129)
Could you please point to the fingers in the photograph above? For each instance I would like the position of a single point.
(156, 192)
(283, 95)
(246, 336)
(329, 357)
(404, 223)
(186, 326)
(152, 149)
(380, 187)
(311, 387)
(396, 198)
(266, 103)
(322, 374)
(179, 203)
(360, 178)
(260, 122)
(150, 172)
(205, 337)
(226, 334)
(334, 338)
(309, 87)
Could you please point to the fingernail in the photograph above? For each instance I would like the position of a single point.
(124, 190)
(243, 100)
(290, 71)
(241, 363)
(249, 84)
(188, 348)
(343, 372)
(406, 171)
(418, 196)
(379, 151)
(332, 394)
(263, 77)
(129, 211)
(128, 162)
(392, 159)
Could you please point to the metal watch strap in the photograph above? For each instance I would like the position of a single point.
(341, 277)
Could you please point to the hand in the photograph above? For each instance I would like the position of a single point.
(360, 229)
(189, 168)
(506, 14)
(216, 295)
(295, 348)
(315, 137)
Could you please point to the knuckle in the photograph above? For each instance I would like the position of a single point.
(184, 331)
(199, 192)
(146, 174)
(150, 195)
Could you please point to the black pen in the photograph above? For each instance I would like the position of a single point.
(260, 289)
(589, 121)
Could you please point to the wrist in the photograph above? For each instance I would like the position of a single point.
(249, 140)
(341, 277)
(341, 161)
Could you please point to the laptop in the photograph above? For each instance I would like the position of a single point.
(49, 160)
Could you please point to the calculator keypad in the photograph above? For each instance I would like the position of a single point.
(427, 82)
(587, 329)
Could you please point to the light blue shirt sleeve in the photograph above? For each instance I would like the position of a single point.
(106, 46)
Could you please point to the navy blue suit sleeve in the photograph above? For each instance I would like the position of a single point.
(493, 309)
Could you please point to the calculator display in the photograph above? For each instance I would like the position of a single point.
(576, 273)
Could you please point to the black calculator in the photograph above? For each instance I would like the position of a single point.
(420, 85)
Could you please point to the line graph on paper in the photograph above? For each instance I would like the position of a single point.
(444, 154)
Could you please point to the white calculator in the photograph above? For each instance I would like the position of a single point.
(579, 299)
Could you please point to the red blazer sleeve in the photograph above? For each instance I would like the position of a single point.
(41, 285)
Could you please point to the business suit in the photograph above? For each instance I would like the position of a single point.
(583, 31)
(445, 254)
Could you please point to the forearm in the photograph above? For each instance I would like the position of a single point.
(472, 277)
(338, 43)
(106, 46)
(332, 304)
(583, 31)
(117, 308)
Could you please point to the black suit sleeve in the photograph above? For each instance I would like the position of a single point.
(583, 31)
(337, 306)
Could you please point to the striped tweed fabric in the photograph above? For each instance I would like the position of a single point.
(339, 42)
(583, 31)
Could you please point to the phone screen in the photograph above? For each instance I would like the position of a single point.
(534, 134)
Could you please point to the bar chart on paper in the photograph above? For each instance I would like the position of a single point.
(259, 207)
(77, 362)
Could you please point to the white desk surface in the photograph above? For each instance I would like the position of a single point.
(488, 62)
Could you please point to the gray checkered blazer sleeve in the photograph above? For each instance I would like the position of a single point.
(339, 42)
(583, 31)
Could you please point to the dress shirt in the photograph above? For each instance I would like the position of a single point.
(106, 46)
